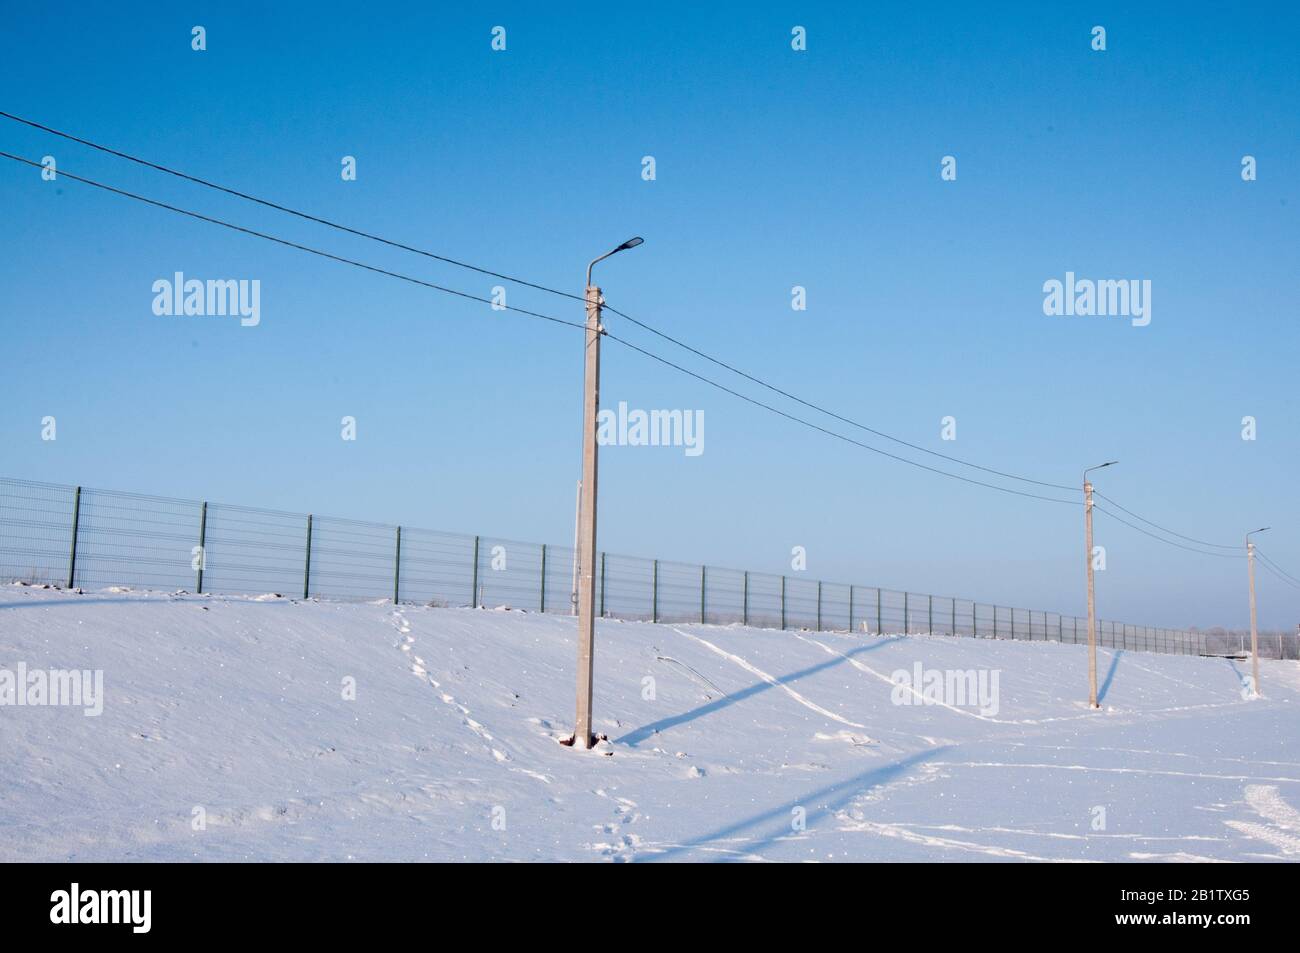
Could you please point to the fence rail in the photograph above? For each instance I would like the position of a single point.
(78, 536)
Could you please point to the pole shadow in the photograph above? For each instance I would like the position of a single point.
(819, 804)
(638, 735)
(1110, 675)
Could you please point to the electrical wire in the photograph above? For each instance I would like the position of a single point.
(1280, 576)
(485, 271)
(298, 246)
(639, 323)
(1190, 539)
(573, 324)
(830, 413)
(283, 208)
(831, 433)
(1269, 562)
(1168, 542)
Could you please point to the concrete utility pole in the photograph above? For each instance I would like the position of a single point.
(582, 737)
(577, 548)
(1254, 637)
(1092, 600)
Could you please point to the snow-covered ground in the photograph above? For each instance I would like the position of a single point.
(725, 743)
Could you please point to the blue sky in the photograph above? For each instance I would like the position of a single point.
(774, 169)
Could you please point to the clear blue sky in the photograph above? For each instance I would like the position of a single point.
(775, 169)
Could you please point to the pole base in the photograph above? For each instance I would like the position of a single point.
(571, 742)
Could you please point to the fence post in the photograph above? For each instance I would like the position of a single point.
(1013, 623)
(850, 607)
(744, 601)
(929, 612)
(543, 594)
(203, 543)
(76, 522)
(306, 569)
(602, 585)
(783, 602)
(906, 620)
(203, 538)
(819, 605)
(954, 616)
(974, 620)
(880, 629)
(473, 583)
(654, 592)
(397, 569)
(703, 583)
(995, 620)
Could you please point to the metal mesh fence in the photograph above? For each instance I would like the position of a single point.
(147, 540)
(75, 536)
(35, 531)
(249, 550)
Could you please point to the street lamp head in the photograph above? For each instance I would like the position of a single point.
(630, 243)
(1100, 466)
(1262, 529)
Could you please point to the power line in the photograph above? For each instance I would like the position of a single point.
(1168, 542)
(462, 264)
(644, 325)
(1268, 561)
(299, 247)
(1238, 549)
(283, 208)
(573, 324)
(1282, 577)
(1190, 539)
(827, 412)
(824, 430)
(636, 321)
